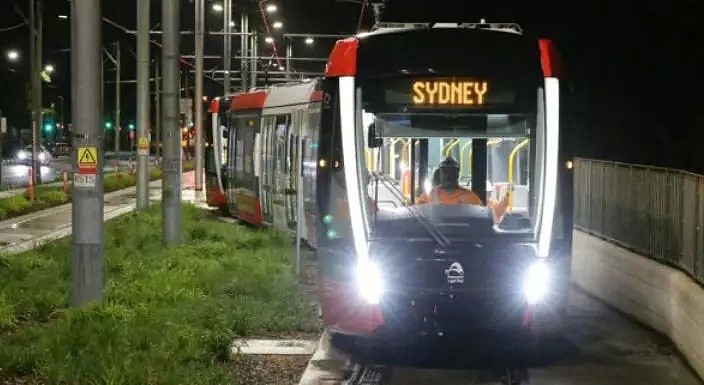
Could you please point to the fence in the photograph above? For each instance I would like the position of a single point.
(655, 212)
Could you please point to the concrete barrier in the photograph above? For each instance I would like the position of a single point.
(659, 296)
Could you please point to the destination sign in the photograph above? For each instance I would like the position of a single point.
(449, 93)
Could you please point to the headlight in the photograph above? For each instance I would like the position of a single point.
(22, 155)
(369, 281)
(42, 156)
(536, 283)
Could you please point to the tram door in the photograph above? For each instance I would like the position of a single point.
(266, 182)
(294, 168)
(281, 171)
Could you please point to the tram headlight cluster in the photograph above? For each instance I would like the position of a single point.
(370, 283)
(536, 282)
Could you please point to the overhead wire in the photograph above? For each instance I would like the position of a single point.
(361, 15)
(7, 29)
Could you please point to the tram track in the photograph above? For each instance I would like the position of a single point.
(600, 347)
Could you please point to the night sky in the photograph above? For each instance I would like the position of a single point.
(632, 88)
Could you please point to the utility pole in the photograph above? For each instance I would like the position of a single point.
(253, 64)
(87, 214)
(244, 43)
(171, 182)
(143, 103)
(198, 100)
(157, 106)
(227, 41)
(117, 106)
(36, 31)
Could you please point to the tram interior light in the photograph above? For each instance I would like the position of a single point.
(369, 281)
(536, 283)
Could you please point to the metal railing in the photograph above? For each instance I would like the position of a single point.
(653, 211)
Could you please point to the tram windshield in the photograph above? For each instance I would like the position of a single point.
(403, 153)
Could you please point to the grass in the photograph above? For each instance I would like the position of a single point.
(169, 313)
(47, 197)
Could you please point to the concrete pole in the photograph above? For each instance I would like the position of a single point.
(36, 84)
(171, 182)
(118, 126)
(227, 44)
(142, 103)
(157, 106)
(198, 100)
(88, 261)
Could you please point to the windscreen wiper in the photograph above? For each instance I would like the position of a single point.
(432, 229)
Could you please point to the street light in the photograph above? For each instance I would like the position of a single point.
(232, 23)
(309, 41)
(269, 40)
(271, 8)
(277, 25)
(13, 55)
(217, 7)
(63, 17)
(49, 68)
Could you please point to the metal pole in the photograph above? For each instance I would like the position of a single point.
(244, 40)
(157, 106)
(289, 55)
(253, 63)
(198, 100)
(118, 127)
(227, 44)
(87, 214)
(143, 103)
(171, 182)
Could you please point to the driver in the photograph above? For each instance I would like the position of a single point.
(449, 191)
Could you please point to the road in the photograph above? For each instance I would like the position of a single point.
(600, 347)
(17, 175)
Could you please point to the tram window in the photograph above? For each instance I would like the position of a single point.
(282, 122)
(240, 149)
(247, 142)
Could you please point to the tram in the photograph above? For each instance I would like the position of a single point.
(396, 102)
(342, 160)
(215, 153)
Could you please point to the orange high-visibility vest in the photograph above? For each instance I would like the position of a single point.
(460, 195)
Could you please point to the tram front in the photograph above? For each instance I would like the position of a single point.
(481, 245)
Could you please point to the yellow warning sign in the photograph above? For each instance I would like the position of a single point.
(87, 160)
(88, 156)
(143, 143)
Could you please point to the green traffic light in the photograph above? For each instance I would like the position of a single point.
(48, 127)
(131, 126)
(108, 124)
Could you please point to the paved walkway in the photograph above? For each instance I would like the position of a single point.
(28, 231)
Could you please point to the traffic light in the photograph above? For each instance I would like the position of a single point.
(48, 127)
(131, 126)
(108, 125)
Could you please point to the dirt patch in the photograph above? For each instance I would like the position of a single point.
(269, 370)
(26, 380)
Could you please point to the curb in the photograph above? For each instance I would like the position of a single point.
(327, 365)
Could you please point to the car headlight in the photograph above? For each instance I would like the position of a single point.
(536, 283)
(42, 156)
(369, 281)
(22, 155)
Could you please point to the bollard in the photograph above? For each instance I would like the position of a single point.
(30, 186)
(65, 177)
